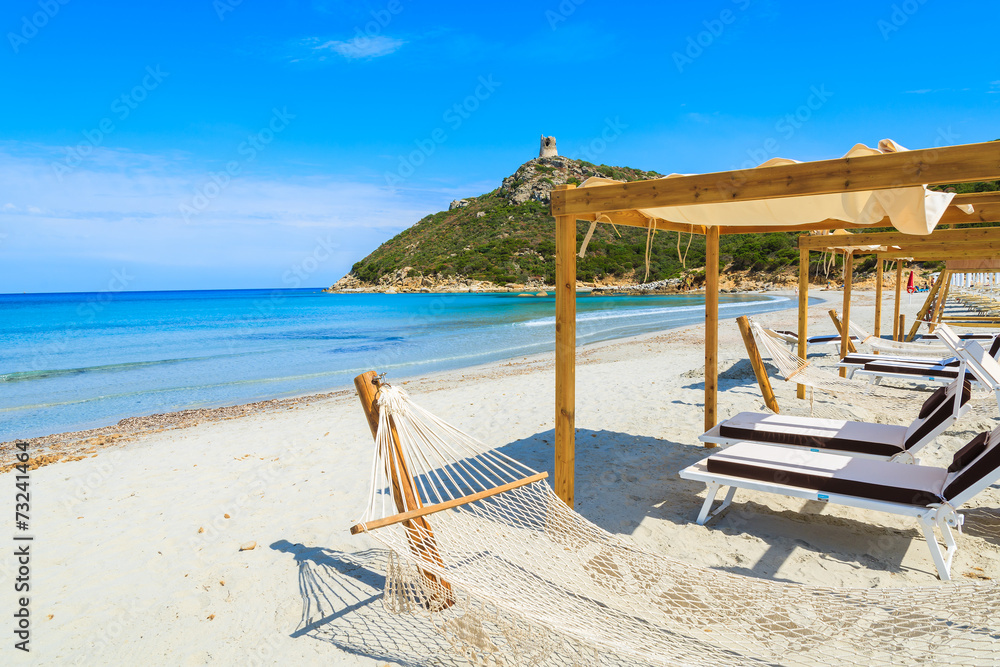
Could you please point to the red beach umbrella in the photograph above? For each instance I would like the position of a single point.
(909, 284)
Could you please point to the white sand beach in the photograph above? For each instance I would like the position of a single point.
(137, 553)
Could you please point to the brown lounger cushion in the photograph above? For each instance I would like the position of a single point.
(941, 412)
(915, 371)
(810, 441)
(980, 468)
(932, 402)
(820, 483)
(969, 453)
(867, 360)
(995, 347)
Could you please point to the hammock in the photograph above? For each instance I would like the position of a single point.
(793, 368)
(898, 347)
(517, 578)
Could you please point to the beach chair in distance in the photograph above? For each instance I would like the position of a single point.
(983, 366)
(981, 336)
(931, 495)
(791, 339)
(940, 370)
(849, 438)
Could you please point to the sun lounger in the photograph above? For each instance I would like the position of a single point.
(973, 335)
(981, 364)
(936, 370)
(930, 495)
(791, 338)
(878, 441)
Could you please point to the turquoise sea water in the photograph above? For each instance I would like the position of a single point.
(82, 360)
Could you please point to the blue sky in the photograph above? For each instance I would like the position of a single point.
(227, 144)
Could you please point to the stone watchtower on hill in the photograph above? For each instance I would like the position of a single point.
(548, 148)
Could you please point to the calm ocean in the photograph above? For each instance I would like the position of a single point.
(83, 360)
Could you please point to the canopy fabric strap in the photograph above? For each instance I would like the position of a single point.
(590, 233)
(650, 231)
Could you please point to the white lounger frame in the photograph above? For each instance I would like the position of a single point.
(983, 366)
(793, 342)
(877, 376)
(713, 435)
(942, 516)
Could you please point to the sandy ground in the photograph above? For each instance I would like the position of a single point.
(136, 557)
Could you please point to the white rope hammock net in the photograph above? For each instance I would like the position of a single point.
(520, 579)
(899, 347)
(792, 368)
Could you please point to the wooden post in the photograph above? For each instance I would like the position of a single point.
(878, 298)
(565, 444)
(896, 334)
(925, 308)
(800, 390)
(404, 491)
(840, 331)
(902, 326)
(942, 298)
(753, 353)
(711, 327)
(845, 330)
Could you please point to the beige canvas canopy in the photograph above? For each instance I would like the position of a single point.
(911, 210)
(867, 187)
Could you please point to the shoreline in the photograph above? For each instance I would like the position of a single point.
(78, 444)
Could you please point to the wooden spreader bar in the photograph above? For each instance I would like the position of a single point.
(446, 505)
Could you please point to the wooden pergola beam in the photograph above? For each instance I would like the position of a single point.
(906, 242)
(636, 219)
(929, 166)
(945, 252)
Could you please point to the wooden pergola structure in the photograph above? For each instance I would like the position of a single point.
(975, 243)
(621, 204)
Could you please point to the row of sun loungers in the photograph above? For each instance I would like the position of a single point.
(869, 466)
(983, 304)
(910, 368)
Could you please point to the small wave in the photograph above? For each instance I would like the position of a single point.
(643, 312)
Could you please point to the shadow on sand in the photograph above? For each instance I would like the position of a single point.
(621, 479)
(341, 605)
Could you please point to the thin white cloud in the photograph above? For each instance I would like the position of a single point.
(362, 47)
(922, 91)
(123, 209)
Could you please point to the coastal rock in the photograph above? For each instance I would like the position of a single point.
(458, 203)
